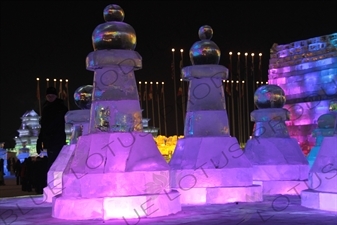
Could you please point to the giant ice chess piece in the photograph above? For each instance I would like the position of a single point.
(279, 164)
(321, 132)
(79, 120)
(208, 166)
(322, 192)
(115, 169)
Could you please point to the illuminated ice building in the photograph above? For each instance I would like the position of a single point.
(307, 71)
(29, 130)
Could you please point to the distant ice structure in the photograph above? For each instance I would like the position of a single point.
(29, 130)
(322, 191)
(307, 72)
(116, 171)
(24, 152)
(3, 155)
(279, 164)
(208, 166)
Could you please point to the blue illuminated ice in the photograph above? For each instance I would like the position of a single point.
(322, 191)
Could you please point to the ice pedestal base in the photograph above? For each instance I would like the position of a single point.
(115, 184)
(128, 207)
(322, 176)
(55, 173)
(114, 174)
(215, 186)
(49, 193)
(220, 195)
(281, 179)
(212, 170)
(285, 187)
(312, 155)
(319, 200)
(322, 191)
(280, 172)
(278, 164)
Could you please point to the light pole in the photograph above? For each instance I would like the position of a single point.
(175, 90)
(182, 85)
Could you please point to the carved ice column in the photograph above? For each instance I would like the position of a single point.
(115, 169)
(208, 166)
(279, 164)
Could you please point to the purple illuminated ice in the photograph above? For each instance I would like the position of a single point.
(208, 166)
(325, 129)
(322, 191)
(278, 162)
(307, 72)
(116, 170)
(79, 121)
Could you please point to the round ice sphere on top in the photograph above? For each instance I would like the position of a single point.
(269, 96)
(113, 13)
(114, 33)
(327, 121)
(83, 96)
(205, 32)
(205, 51)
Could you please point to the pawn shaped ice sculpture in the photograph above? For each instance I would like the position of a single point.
(79, 121)
(117, 171)
(279, 164)
(208, 166)
(324, 129)
(322, 191)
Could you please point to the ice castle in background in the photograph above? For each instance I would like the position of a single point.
(307, 71)
(29, 130)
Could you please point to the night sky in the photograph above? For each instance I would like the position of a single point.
(51, 39)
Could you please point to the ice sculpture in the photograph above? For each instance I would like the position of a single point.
(29, 130)
(117, 169)
(317, 133)
(24, 152)
(208, 166)
(307, 72)
(3, 155)
(322, 192)
(79, 122)
(321, 132)
(279, 164)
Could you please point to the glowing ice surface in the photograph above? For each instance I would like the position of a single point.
(208, 166)
(322, 193)
(278, 161)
